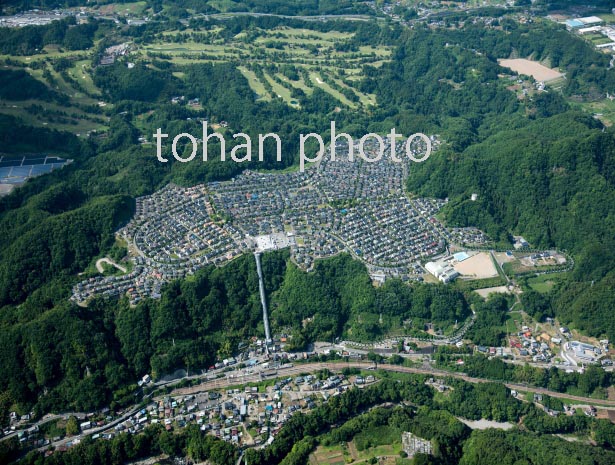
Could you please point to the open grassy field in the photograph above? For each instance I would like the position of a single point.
(333, 68)
(81, 72)
(54, 116)
(546, 282)
(316, 79)
(256, 85)
(543, 287)
(604, 110)
(281, 91)
(76, 86)
(365, 99)
(300, 84)
(75, 82)
(607, 17)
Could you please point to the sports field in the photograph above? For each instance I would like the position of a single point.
(479, 266)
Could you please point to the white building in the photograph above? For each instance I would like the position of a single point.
(443, 271)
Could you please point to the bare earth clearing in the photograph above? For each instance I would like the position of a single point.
(492, 290)
(531, 68)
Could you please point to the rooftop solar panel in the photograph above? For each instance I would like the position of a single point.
(10, 163)
(21, 170)
(41, 169)
(18, 180)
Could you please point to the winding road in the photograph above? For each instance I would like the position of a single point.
(101, 269)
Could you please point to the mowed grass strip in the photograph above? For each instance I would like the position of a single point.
(300, 84)
(317, 80)
(256, 85)
(365, 99)
(280, 91)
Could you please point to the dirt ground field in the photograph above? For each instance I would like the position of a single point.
(531, 68)
(327, 456)
(490, 290)
(348, 453)
(502, 257)
(479, 266)
(484, 424)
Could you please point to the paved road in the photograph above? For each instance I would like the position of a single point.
(239, 379)
(336, 366)
(100, 268)
(92, 431)
(347, 17)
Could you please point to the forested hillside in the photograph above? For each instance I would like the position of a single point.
(551, 181)
(549, 177)
(27, 40)
(179, 7)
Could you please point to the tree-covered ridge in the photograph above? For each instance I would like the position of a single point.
(30, 39)
(16, 137)
(551, 181)
(59, 245)
(587, 69)
(193, 324)
(339, 299)
(19, 85)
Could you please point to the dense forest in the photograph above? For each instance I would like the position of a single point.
(282, 7)
(548, 177)
(66, 33)
(193, 324)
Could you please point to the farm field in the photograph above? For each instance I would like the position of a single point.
(604, 110)
(348, 453)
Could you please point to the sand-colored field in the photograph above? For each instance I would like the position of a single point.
(492, 290)
(502, 257)
(531, 68)
(479, 266)
(485, 424)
